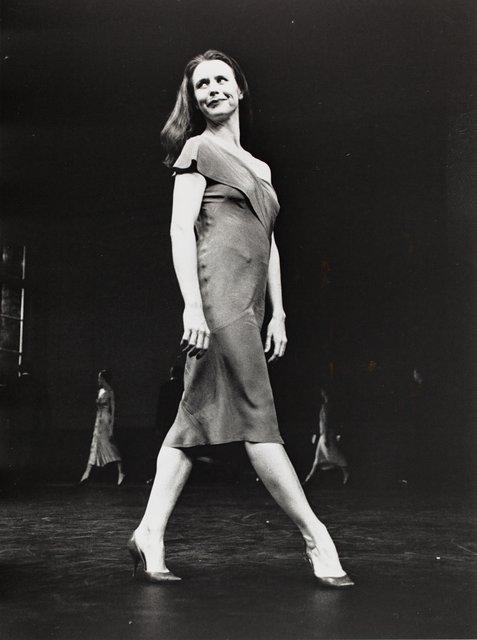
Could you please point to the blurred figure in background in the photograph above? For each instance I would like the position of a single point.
(169, 396)
(327, 454)
(103, 449)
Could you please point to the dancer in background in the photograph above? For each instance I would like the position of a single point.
(103, 450)
(328, 454)
(225, 257)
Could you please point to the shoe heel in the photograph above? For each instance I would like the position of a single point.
(330, 582)
(135, 560)
(136, 556)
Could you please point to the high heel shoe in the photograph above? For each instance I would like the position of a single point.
(330, 582)
(138, 556)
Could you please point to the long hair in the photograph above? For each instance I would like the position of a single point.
(186, 120)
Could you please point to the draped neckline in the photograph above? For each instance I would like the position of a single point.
(218, 163)
(210, 138)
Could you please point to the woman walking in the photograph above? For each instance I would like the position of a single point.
(225, 258)
(103, 450)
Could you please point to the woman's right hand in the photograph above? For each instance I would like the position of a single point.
(195, 339)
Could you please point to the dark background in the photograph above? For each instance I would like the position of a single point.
(363, 111)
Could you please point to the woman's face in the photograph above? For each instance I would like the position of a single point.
(216, 90)
(100, 380)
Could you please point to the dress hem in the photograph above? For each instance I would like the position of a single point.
(103, 464)
(228, 441)
(196, 425)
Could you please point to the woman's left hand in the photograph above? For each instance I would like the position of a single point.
(276, 333)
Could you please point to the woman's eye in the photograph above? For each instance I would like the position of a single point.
(221, 79)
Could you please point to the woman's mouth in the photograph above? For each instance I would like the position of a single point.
(214, 103)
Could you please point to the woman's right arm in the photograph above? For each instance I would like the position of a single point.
(187, 200)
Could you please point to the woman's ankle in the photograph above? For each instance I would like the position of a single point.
(315, 534)
(150, 533)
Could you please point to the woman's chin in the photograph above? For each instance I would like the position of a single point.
(217, 117)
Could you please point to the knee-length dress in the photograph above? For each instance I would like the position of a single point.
(103, 450)
(227, 393)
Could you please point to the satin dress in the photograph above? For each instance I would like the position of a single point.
(227, 394)
(103, 450)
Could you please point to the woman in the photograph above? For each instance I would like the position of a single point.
(328, 454)
(103, 450)
(225, 256)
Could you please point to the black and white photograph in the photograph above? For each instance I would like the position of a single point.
(237, 328)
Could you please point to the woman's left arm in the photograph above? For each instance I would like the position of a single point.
(276, 327)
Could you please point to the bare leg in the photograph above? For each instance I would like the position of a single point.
(313, 468)
(121, 474)
(86, 473)
(272, 464)
(345, 472)
(172, 470)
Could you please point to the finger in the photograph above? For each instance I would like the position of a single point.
(268, 343)
(276, 351)
(185, 339)
(274, 355)
(201, 353)
(201, 345)
(200, 339)
(198, 345)
(192, 340)
(283, 346)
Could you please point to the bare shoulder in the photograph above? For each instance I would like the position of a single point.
(194, 141)
(261, 168)
(265, 172)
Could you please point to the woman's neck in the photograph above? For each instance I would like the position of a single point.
(228, 132)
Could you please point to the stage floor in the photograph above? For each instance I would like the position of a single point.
(65, 572)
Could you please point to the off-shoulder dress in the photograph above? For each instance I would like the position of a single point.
(227, 393)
